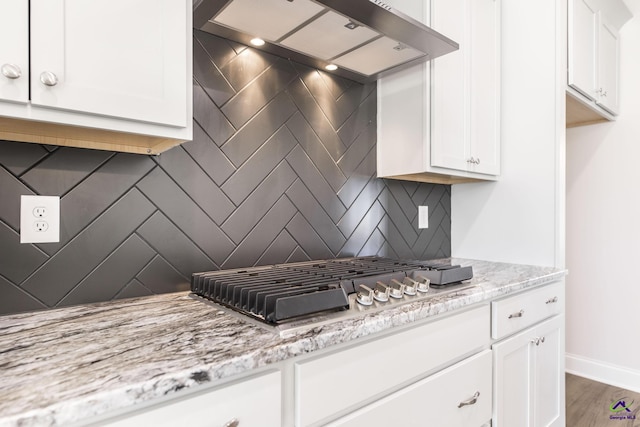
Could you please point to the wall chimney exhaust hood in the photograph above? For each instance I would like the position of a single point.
(361, 40)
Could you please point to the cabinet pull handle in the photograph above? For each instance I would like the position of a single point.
(474, 161)
(232, 423)
(518, 314)
(470, 401)
(11, 71)
(552, 300)
(48, 78)
(537, 340)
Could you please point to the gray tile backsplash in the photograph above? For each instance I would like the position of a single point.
(281, 168)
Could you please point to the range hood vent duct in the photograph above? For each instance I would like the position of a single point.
(364, 39)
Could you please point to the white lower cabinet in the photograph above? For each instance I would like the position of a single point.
(254, 402)
(332, 385)
(528, 377)
(459, 396)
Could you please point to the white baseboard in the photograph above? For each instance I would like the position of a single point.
(603, 372)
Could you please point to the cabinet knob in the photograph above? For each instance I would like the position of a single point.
(470, 401)
(48, 78)
(232, 423)
(552, 300)
(518, 314)
(11, 71)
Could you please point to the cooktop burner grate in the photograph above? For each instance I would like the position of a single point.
(281, 292)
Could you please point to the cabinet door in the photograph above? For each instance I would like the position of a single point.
(582, 47)
(465, 125)
(14, 51)
(512, 361)
(120, 58)
(547, 375)
(608, 63)
(450, 121)
(485, 86)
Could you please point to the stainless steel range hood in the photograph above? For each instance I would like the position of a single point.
(364, 39)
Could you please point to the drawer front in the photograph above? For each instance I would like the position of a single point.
(436, 400)
(254, 402)
(330, 384)
(515, 313)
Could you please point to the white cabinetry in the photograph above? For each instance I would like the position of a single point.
(441, 122)
(254, 402)
(459, 396)
(14, 51)
(608, 93)
(594, 59)
(528, 370)
(465, 98)
(116, 65)
(348, 379)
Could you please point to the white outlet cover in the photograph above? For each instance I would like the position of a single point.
(32, 217)
(423, 216)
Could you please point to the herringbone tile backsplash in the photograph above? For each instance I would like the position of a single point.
(281, 168)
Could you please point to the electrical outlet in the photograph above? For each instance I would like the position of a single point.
(40, 211)
(423, 216)
(39, 219)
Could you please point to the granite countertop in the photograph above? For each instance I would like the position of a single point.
(64, 365)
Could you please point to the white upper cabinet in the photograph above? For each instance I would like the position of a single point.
(594, 60)
(465, 103)
(440, 122)
(105, 74)
(117, 58)
(608, 66)
(14, 51)
(582, 47)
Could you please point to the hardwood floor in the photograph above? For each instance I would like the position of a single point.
(589, 404)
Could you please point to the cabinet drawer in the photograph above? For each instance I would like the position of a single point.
(520, 311)
(436, 400)
(330, 384)
(253, 402)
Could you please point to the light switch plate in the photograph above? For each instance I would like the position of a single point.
(39, 219)
(423, 216)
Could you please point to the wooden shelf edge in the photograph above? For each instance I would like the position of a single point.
(20, 130)
(582, 112)
(433, 178)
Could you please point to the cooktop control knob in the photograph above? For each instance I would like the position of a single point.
(381, 292)
(364, 295)
(396, 289)
(423, 284)
(410, 286)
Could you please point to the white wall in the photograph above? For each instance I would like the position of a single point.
(520, 218)
(603, 234)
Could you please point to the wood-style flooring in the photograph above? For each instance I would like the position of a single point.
(589, 404)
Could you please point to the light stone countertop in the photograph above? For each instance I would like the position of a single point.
(65, 365)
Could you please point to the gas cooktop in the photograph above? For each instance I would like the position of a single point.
(278, 294)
